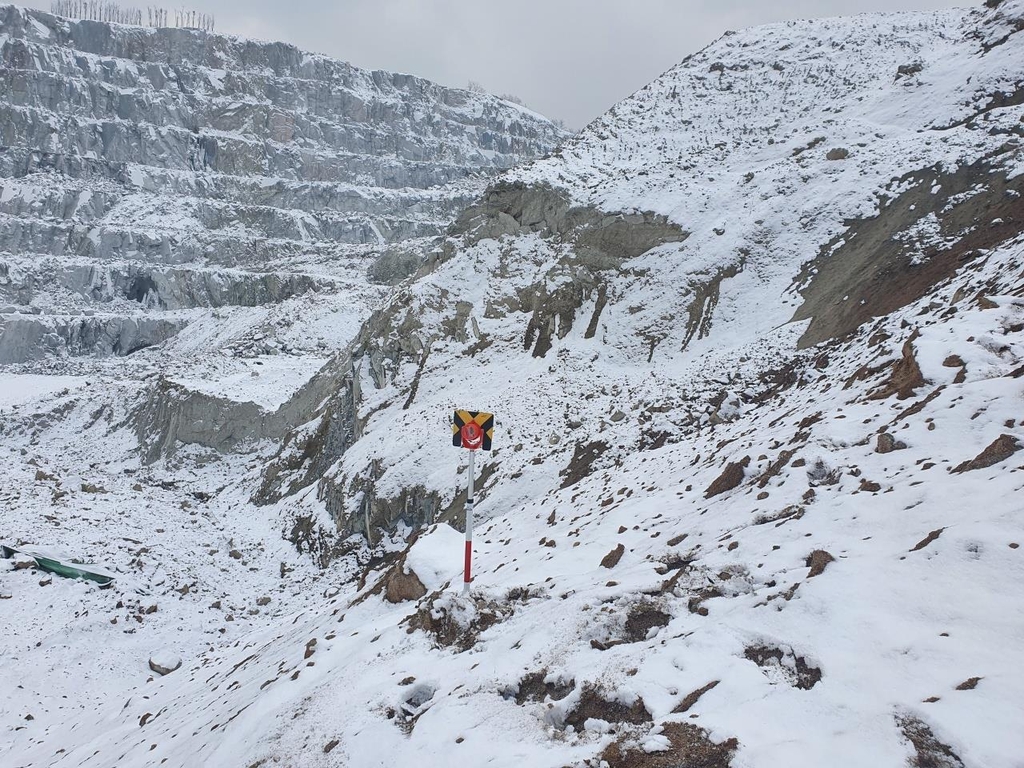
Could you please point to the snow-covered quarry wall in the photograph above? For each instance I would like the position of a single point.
(126, 145)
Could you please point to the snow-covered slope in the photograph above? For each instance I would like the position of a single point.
(754, 344)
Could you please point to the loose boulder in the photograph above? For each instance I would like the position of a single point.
(164, 662)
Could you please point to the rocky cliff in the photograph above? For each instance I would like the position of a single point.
(144, 170)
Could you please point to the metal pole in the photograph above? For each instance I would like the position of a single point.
(469, 528)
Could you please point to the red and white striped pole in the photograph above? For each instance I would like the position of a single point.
(467, 577)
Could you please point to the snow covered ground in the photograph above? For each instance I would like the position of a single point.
(22, 389)
(745, 508)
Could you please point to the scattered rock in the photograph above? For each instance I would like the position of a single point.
(905, 376)
(164, 662)
(401, 586)
(330, 745)
(838, 153)
(91, 488)
(310, 649)
(969, 684)
(953, 361)
(886, 443)
(928, 539)
(263, 601)
(692, 698)
(731, 477)
(23, 562)
(817, 561)
(612, 558)
(234, 554)
(1001, 449)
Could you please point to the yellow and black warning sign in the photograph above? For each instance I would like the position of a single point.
(473, 430)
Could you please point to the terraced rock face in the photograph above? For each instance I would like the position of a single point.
(157, 169)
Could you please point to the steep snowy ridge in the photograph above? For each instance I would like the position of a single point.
(755, 342)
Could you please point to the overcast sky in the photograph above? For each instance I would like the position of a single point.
(568, 59)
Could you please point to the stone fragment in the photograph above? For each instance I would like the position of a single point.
(612, 558)
(164, 662)
(731, 477)
(1002, 448)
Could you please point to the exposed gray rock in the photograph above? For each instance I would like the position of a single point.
(28, 337)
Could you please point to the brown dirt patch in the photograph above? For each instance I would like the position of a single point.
(536, 687)
(593, 704)
(818, 561)
(877, 266)
(691, 747)
(930, 752)
(581, 464)
(969, 684)
(794, 669)
(642, 618)
(928, 539)
(774, 468)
